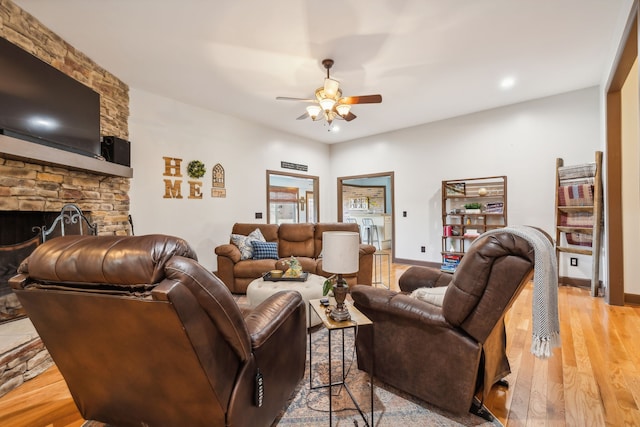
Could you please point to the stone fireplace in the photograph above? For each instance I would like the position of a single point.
(35, 178)
(28, 189)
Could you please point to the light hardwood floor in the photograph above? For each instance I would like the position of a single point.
(592, 380)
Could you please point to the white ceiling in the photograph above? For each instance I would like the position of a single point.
(430, 59)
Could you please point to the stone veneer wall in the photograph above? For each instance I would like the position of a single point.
(32, 187)
(28, 186)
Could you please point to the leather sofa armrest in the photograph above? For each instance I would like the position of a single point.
(268, 316)
(230, 251)
(399, 306)
(423, 277)
(365, 249)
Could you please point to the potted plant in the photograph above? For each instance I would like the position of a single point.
(328, 285)
(473, 207)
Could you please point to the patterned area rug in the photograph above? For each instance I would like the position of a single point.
(392, 407)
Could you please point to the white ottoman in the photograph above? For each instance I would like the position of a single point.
(259, 290)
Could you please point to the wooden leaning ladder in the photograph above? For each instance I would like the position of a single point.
(594, 210)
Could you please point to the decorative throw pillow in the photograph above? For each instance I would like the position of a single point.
(433, 296)
(244, 243)
(264, 250)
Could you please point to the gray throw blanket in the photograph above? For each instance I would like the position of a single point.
(544, 310)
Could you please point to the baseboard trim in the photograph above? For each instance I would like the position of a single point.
(632, 299)
(573, 281)
(414, 262)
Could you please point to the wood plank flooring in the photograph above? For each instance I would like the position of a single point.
(592, 380)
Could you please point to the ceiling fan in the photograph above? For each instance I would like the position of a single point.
(329, 104)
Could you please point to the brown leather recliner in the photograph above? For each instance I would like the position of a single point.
(447, 354)
(146, 336)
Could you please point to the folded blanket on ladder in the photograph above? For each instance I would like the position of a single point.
(576, 195)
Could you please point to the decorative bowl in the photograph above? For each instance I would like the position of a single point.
(276, 273)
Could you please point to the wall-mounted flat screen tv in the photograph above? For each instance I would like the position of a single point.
(40, 104)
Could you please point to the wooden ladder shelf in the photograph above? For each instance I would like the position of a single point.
(579, 207)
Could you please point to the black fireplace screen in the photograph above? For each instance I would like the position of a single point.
(20, 233)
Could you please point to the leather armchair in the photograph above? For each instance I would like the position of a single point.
(448, 354)
(144, 335)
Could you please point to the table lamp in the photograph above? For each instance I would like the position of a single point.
(340, 255)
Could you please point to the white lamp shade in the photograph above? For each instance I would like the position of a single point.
(340, 252)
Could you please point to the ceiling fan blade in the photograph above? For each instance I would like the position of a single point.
(304, 116)
(287, 98)
(350, 116)
(364, 99)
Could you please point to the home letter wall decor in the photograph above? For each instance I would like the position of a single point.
(172, 188)
(194, 190)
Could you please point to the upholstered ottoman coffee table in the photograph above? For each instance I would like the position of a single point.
(260, 289)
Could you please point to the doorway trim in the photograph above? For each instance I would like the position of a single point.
(627, 53)
(393, 203)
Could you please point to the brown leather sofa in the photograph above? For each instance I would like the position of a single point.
(447, 354)
(145, 336)
(303, 241)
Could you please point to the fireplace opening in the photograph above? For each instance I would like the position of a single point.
(19, 236)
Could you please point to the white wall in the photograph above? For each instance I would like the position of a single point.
(161, 127)
(521, 141)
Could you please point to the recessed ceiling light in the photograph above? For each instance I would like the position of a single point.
(507, 82)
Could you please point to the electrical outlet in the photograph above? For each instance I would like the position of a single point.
(258, 215)
(404, 214)
(423, 249)
(574, 262)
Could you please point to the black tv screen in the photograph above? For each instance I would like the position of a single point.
(38, 103)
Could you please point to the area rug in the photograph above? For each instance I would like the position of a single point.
(392, 407)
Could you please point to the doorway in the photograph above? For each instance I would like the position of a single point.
(291, 198)
(370, 197)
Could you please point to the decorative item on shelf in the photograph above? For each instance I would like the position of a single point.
(295, 269)
(473, 208)
(482, 191)
(196, 169)
(341, 252)
(494, 207)
(456, 189)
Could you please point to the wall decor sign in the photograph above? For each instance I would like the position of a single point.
(294, 166)
(217, 181)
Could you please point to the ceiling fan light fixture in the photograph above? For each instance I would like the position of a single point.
(343, 109)
(327, 104)
(313, 111)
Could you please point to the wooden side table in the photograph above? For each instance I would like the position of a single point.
(357, 319)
